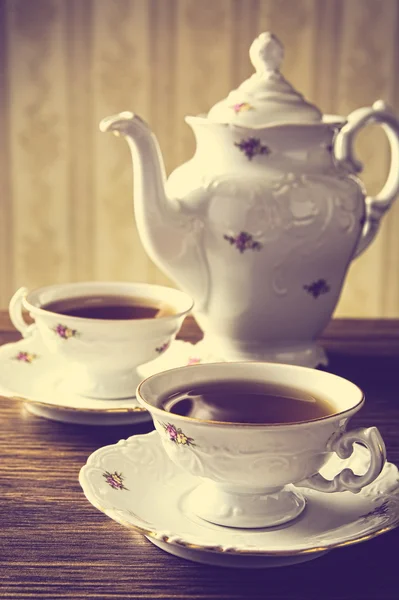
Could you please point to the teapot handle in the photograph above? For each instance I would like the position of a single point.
(377, 205)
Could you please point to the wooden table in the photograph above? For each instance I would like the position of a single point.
(54, 544)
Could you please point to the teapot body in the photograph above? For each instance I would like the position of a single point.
(278, 222)
(260, 226)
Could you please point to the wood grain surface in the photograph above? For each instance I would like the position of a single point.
(54, 544)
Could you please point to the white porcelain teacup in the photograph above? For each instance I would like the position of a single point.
(101, 356)
(250, 473)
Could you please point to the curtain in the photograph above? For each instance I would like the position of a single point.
(66, 189)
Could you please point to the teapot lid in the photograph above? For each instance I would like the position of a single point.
(266, 97)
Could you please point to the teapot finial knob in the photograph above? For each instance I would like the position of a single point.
(266, 53)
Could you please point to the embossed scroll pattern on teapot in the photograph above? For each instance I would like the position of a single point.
(261, 224)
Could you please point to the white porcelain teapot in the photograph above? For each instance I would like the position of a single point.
(261, 224)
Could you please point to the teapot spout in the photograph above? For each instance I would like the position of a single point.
(148, 164)
(153, 210)
(170, 237)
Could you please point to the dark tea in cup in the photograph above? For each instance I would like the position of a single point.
(247, 402)
(110, 307)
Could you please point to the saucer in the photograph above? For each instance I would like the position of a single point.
(30, 373)
(135, 483)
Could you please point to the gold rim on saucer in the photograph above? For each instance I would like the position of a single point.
(170, 539)
(119, 410)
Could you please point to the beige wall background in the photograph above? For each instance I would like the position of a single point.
(65, 188)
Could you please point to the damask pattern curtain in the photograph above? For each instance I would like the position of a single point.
(66, 189)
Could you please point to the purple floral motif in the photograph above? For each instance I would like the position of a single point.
(115, 480)
(243, 241)
(193, 360)
(171, 431)
(26, 357)
(317, 288)
(162, 348)
(252, 147)
(64, 332)
(241, 107)
(378, 511)
(177, 436)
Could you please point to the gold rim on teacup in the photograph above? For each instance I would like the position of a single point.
(240, 424)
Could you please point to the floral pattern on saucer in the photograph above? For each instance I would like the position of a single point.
(161, 497)
(193, 360)
(25, 357)
(115, 480)
(379, 511)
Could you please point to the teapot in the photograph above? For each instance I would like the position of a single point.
(262, 223)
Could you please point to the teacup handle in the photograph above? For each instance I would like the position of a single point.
(346, 480)
(16, 315)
